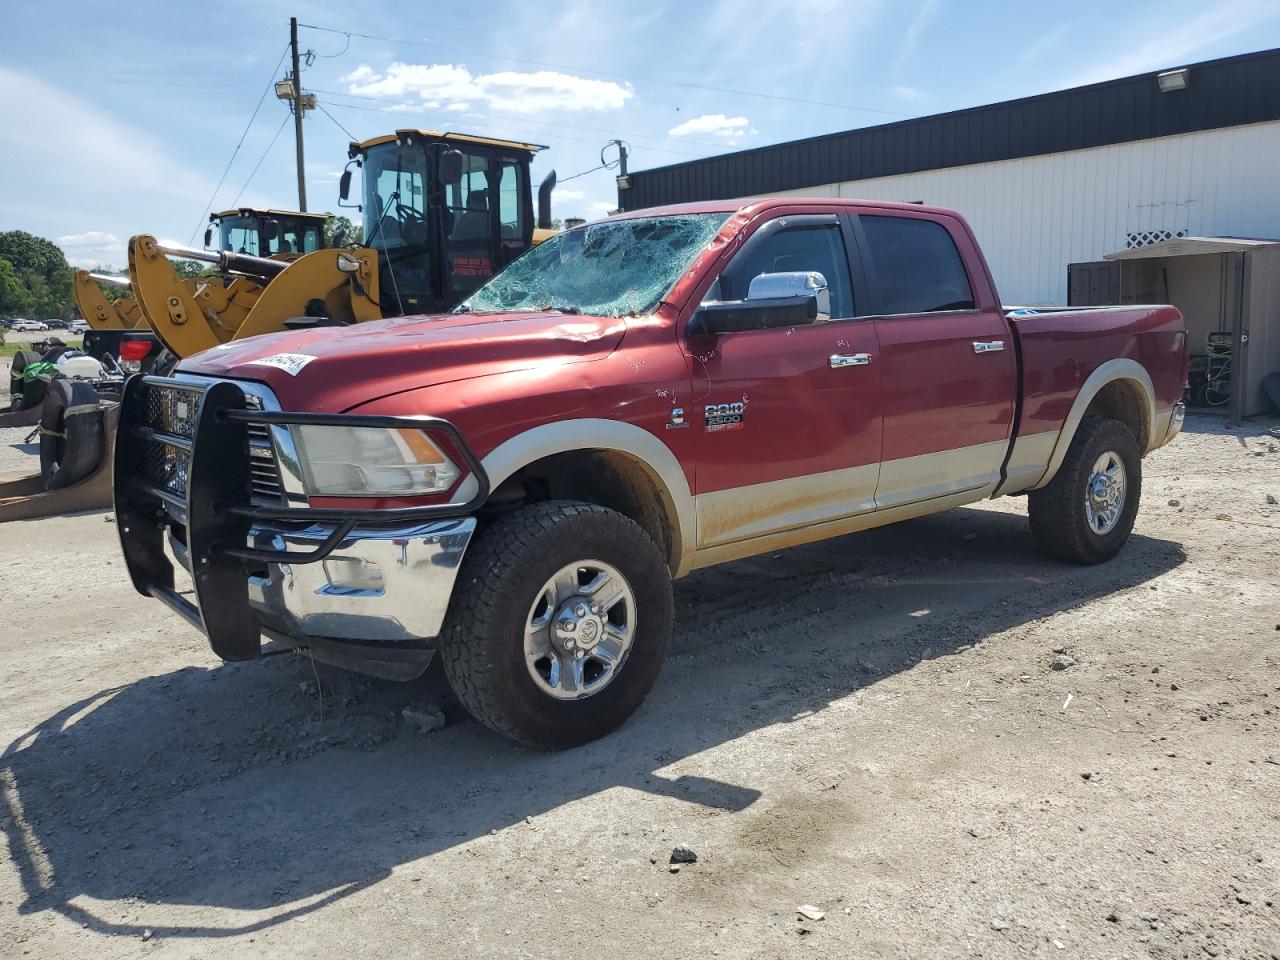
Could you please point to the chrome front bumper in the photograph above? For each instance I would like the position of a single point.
(380, 584)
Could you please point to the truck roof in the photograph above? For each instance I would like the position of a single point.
(769, 203)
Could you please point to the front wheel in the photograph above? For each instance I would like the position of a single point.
(559, 623)
(1085, 514)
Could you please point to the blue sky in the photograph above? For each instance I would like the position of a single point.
(120, 119)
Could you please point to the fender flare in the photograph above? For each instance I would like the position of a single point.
(1113, 370)
(567, 436)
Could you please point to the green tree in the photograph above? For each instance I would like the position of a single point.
(15, 298)
(192, 268)
(336, 222)
(41, 267)
(113, 291)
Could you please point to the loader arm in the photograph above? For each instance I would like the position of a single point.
(345, 279)
(190, 316)
(101, 313)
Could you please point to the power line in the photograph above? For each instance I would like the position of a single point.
(552, 136)
(227, 169)
(607, 73)
(604, 164)
(279, 130)
(349, 134)
(537, 123)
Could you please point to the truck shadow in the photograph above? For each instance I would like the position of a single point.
(248, 788)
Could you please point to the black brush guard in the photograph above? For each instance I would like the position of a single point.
(213, 503)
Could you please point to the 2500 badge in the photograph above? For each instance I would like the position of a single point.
(724, 416)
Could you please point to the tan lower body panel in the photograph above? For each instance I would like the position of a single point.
(1029, 461)
(742, 513)
(940, 474)
(766, 509)
(834, 528)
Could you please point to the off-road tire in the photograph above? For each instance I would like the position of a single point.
(1057, 511)
(71, 447)
(482, 644)
(18, 390)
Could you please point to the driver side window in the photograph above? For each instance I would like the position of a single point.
(817, 249)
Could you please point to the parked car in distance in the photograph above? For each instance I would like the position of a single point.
(78, 326)
(22, 326)
(513, 486)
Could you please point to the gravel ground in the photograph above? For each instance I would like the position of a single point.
(870, 726)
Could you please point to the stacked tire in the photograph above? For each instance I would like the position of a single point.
(24, 395)
(72, 438)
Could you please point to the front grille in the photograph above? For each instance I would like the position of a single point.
(171, 410)
(264, 471)
(175, 410)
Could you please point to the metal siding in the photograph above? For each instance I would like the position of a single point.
(1033, 216)
(1222, 93)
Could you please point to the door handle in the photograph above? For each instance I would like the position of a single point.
(988, 346)
(838, 360)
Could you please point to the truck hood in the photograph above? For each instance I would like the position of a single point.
(331, 369)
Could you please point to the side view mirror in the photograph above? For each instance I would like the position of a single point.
(271, 229)
(451, 162)
(774, 300)
(344, 184)
(208, 238)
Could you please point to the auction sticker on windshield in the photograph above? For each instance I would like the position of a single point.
(290, 363)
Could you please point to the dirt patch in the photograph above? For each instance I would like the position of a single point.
(870, 725)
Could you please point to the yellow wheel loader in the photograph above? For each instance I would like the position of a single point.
(442, 212)
(259, 232)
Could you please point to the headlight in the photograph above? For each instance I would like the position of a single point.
(371, 462)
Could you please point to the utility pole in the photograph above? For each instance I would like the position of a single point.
(297, 114)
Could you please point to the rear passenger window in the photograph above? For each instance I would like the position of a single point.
(918, 266)
(819, 248)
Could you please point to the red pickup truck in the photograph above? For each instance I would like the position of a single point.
(515, 484)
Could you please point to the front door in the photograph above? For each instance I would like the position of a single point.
(789, 420)
(948, 373)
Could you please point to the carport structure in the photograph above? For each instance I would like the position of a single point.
(1228, 290)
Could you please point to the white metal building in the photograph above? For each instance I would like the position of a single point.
(1045, 181)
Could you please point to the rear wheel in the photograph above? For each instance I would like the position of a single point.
(1086, 512)
(559, 623)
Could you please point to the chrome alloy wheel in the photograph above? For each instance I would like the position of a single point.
(1104, 496)
(579, 630)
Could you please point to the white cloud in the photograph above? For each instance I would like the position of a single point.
(569, 194)
(602, 209)
(452, 87)
(715, 124)
(910, 94)
(93, 248)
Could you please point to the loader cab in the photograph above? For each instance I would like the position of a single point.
(444, 211)
(265, 233)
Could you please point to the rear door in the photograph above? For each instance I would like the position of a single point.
(789, 423)
(947, 370)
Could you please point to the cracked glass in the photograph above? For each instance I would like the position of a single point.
(614, 268)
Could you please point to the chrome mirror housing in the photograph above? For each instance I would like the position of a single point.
(798, 283)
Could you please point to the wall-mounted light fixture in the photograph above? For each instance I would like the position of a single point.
(1173, 80)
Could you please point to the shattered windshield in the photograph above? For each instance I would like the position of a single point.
(611, 269)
